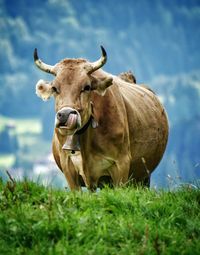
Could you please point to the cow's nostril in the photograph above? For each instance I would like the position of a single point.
(73, 112)
(62, 116)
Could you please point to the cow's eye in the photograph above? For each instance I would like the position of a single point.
(54, 89)
(87, 88)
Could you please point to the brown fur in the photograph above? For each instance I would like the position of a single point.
(128, 77)
(132, 131)
(68, 61)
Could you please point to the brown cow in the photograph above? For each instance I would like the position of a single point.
(106, 129)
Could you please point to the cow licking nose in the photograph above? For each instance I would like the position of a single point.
(68, 118)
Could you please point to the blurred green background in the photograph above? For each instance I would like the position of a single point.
(158, 40)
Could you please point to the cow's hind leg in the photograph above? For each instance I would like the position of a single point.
(146, 182)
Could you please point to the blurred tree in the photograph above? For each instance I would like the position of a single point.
(5, 142)
(8, 140)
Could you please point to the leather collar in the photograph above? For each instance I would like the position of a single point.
(83, 129)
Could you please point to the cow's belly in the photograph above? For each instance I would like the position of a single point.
(97, 165)
(100, 166)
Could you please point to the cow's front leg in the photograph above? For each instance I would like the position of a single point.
(91, 183)
(70, 174)
(119, 171)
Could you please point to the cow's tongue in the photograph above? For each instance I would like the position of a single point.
(71, 121)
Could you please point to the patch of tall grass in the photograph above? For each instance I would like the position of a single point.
(39, 220)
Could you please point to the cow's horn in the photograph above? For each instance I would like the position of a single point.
(41, 65)
(99, 63)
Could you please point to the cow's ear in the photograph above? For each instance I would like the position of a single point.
(101, 84)
(44, 90)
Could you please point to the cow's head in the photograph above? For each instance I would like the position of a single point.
(72, 88)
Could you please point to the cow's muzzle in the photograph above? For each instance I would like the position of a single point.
(68, 118)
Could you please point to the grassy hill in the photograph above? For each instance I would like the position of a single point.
(39, 220)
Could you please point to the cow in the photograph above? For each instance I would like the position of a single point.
(107, 129)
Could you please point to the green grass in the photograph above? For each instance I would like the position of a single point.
(38, 220)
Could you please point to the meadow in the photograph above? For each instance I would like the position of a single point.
(39, 220)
